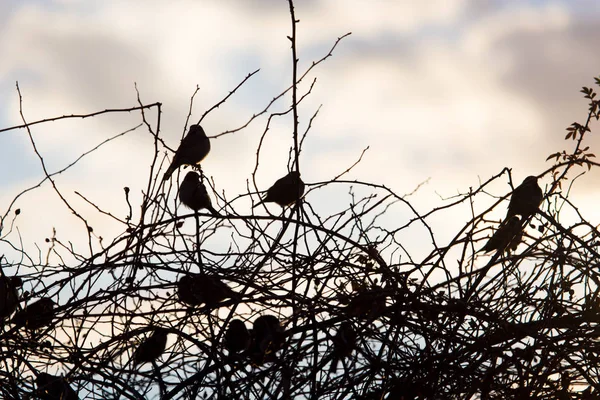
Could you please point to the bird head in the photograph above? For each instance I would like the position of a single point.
(15, 281)
(160, 332)
(530, 180)
(197, 130)
(47, 303)
(192, 176)
(513, 221)
(237, 325)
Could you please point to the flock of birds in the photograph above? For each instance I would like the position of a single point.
(267, 335)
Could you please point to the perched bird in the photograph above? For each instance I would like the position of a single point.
(196, 289)
(151, 348)
(36, 314)
(50, 387)
(189, 291)
(193, 148)
(267, 338)
(367, 303)
(9, 297)
(525, 199)
(505, 236)
(237, 337)
(285, 191)
(193, 193)
(344, 343)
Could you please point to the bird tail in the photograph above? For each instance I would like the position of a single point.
(169, 172)
(214, 212)
(334, 364)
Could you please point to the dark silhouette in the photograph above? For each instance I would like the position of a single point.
(507, 234)
(193, 193)
(267, 339)
(9, 297)
(366, 303)
(344, 343)
(36, 315)
(50, 387)
(194, 147)
(151, 348)
(237, 337)
(285, 191)
(196, 289)
(526, 199)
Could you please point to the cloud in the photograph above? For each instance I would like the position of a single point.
(447, 90)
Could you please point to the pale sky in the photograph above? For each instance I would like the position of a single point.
(448, 90)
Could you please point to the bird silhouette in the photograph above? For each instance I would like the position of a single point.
(194, 195)
(192, 149)
(152, 347)
(267, 339)
(285, 191)
(344, 343)
(504, 236)
(36, 314)
(196, 289)
(9, 297)
(367, 303)
(50, 387)
(525, 199)
(237, 336)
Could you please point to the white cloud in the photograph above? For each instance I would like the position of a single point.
(429, 86)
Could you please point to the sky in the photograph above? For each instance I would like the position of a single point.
(443, 92)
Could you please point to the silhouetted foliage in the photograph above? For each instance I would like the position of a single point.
(339, 307)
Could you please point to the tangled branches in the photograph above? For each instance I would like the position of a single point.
(285, 302)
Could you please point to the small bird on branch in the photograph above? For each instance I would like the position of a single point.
(237, 336)
(525, 199)
(152, 347)
(194, 147)
(366, 302)
(9, 297)
(267, 339)
(193, 193)
(50, 387)
(507, 236)
(35, 315)
(344, 343)
(196, 289)
(285, 191)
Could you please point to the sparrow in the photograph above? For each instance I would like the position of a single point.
(196, 289)
(194, 195)
(36, 314)
(267, 338)
(285, 191)
(152, 347)
(50, 387)
(237, 336)
(505, 236)
(9, 297)
(525, 199)
(367, 303)
(194, 147)
(344, 343)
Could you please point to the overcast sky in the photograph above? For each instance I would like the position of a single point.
(448, 90)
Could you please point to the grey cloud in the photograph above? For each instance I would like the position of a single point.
(550, 68)
(95, 69)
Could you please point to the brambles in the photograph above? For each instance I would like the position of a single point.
(361, 285)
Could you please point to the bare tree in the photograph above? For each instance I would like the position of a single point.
(303, 305)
